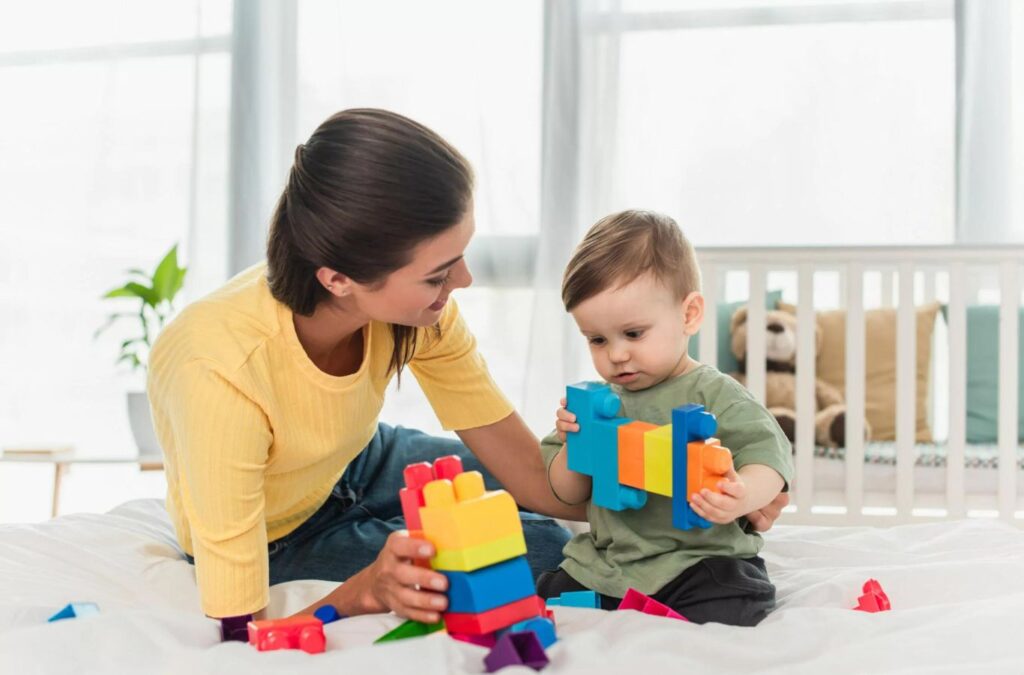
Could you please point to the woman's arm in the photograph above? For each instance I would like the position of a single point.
(393, 583)
(511, 452)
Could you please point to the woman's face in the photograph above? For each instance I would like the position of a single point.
(414, 295)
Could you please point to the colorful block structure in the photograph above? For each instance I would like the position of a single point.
(480, 547)
(628, 459)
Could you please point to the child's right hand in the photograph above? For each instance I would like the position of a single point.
(565, 422)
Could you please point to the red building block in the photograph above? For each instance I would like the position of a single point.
(298, 632)
(642, 603)
(874, 598)
(494, 619)
(416, 476)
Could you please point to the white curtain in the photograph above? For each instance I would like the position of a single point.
(112, 148)
(990, 123)
(755, 122)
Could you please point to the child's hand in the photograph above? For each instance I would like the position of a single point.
(725, 507)
(565, 421)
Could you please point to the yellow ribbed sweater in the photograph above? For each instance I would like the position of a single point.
(255, 435)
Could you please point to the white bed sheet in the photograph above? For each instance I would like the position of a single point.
(957, 590)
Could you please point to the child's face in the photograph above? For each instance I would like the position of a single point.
(638, 333)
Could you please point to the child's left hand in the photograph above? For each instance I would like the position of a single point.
(725, 507)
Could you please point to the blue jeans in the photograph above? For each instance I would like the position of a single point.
(348, 531)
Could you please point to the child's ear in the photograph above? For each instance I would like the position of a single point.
(693, 313)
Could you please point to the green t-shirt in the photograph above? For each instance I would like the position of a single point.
(640, 548)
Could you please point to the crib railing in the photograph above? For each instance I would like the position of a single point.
(971, 275)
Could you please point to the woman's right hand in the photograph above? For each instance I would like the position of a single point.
(565, 422)
(395, 583)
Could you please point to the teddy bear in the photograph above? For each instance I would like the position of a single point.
(780, 376)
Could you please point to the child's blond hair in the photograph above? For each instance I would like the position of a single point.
(624, 246)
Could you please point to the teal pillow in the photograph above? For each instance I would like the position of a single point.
(983, 373)
(727, 362)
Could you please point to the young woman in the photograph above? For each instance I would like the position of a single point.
(266, 394)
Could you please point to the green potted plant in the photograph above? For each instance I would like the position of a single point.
(154, 294)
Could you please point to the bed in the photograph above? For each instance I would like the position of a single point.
(957, 590)
(956, 582)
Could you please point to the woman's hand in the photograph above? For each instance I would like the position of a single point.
(395, 583)
(565, 422)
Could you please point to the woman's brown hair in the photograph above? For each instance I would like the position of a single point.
(364, 190)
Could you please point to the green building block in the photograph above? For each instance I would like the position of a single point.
(410, 629)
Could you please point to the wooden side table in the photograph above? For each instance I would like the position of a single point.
(62, 462)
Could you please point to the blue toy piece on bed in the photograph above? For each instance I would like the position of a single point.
(76, 610)
(585, 599)
(594, 449)
(689, 423)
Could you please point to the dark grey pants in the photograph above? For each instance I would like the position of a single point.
(733, 591)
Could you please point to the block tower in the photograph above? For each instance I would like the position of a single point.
(479, 545)
(628, 459)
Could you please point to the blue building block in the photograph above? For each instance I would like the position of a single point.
(543, 627)
(689, 423)
(328, 614)
(585, 599)
(75, 610)
(489, 587)
(594, 449)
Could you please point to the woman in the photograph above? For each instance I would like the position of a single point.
(266, 394)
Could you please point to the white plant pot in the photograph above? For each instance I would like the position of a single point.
(142, 426)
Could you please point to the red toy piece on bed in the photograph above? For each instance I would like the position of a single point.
(874, 598)
(298, 632)
(642, 603)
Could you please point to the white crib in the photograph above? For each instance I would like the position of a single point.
(900, 277)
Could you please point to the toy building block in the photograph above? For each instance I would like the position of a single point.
(874, 598)
(477, 623)
(543, 627)
(416, 477)
(328, 614)
(410, 629)
(468, 526)
(76, 610)
(689, 423)
(636, 600)
(303, 632)
(585, 599)
(658, 460)
(476, 557)
(489, 587)
(517, 649)
(487, 640)
(631, 453)
(594, 449)
(707, 462)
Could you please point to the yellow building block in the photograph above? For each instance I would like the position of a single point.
(461, 515)
(658, 460)
(482, 555)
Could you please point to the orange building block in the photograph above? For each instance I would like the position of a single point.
(459, 515)
(707, 462)
(631, 453)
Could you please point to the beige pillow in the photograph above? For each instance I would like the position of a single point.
(880, 364)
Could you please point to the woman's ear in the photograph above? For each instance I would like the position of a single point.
(693, 313)
(336, 283)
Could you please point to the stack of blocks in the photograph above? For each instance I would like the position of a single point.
(480, 548)
(628, 459)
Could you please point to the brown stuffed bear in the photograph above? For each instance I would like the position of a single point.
(780, 384)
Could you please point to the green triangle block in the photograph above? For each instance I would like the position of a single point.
(410, 629)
